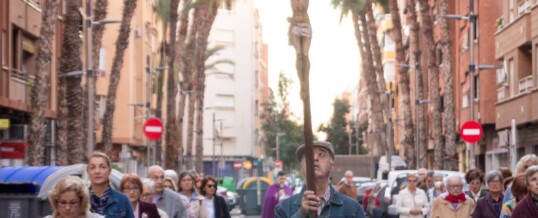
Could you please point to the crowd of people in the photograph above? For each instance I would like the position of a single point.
(163, 194)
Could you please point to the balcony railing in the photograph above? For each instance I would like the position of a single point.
(20, 86)
(523, 5)
(525, 84)
(501, 93)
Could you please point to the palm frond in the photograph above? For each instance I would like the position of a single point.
(347, 6)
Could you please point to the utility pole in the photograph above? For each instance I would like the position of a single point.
(90, 79)
(147, 105)
(472, 68)
(417, 105)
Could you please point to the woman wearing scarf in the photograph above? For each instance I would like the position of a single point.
(528, 207)
(103, 199)
(491, 204)
(412, 201)
(454, 203)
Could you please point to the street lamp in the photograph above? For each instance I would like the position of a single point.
(390, 129)
(90, 76)
(213, 138)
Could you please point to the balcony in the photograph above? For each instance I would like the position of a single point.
(20, 87)
(526, 84)
(513, 35)
(523, 6)
(521, 107)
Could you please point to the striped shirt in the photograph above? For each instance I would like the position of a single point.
(324, 199)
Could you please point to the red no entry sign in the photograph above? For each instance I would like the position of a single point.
(153, 129)
(238, 164)
(471, 131)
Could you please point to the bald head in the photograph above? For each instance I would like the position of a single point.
(156, 173)
(348, 175)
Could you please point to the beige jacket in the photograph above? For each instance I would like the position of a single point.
(407, 201)
(441, 208)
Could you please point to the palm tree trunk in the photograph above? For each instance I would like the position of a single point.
(41, 88)
(70, 119)
(160, 85)
(427, 32)
(171, 157)
(183, 30)
(377, 127)
(208, 14)
(415, 59)
(121, 44)
(190, 132)
(408, 140)
(449, 125)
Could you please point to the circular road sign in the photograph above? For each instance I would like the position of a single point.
(471, 131)
(153, 129)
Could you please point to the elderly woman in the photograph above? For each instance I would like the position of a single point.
(131, 186)
(491, 204)
(475, 179)
(527, 207)
(454, 203)
(438, 187)
(519, 190)
(69, 199)
(412, 201)
(522, 165)
(103, 199)
(148, 190)
(188, 190)
(215, 205)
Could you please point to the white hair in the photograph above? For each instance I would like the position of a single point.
(172, 175)
(453, 177)
(149, 183)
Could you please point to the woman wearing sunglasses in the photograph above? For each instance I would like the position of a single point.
(215, 205)
(412, 201)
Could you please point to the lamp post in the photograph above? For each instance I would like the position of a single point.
(90, 76)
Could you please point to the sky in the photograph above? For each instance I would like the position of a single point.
(334, 56)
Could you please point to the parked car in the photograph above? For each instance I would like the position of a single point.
(358, 181)
(376, 204)
(362, 189)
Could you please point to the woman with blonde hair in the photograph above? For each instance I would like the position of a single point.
(187, 190)
(170, 183)
(522, 165)
(69, 199)
(412, 201)
(103, 199)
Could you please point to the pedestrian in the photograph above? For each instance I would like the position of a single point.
(507, 175)
(491, 204)
(412, 201)
(164, 198)
(438, 187)
(325, 201)
(131, 185)
(528, 208)
(148, 190)
(521, 167)
(69, 198)
(103, 199)
(188, 190)
(422, 183)
(215, 205)
(275, 193)
(454, 204)
(475, 179)
(519, 190)
(169, 183)
(348, 188)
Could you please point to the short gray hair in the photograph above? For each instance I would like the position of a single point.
(437, 174)
(149, 183)
(530, 172)
(492, 174)
(453, 177)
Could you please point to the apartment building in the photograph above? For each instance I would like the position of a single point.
(516, 49)
(20, 22)
(235, 95)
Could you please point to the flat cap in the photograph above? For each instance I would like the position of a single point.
(320, 144)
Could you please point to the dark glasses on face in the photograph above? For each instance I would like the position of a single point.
(210, 185)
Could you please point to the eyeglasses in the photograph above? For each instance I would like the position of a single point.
(131, 189)
(455, 186)
(147, 195)
(210, 185)
(494, 182)
(70, 203)
(411, 180)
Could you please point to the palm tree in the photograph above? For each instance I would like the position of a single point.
(41, 88)
(121, 44)
(408, 140)
(70, 135)
(433, 72)
(171, 138)
(415, 58)
(449, 125)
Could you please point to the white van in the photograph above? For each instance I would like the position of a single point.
(397, 164)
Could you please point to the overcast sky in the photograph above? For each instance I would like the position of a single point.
(334, 56)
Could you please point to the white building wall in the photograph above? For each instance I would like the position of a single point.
(232, 98)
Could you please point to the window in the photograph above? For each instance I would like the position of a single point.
(476, 88)
(465, 97)
(4, 49)
(512, 77)
(225, 101)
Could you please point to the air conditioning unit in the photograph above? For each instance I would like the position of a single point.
(502, 78)
(503, 138)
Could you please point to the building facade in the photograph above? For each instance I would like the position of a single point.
(235, 93)
(516, 108)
